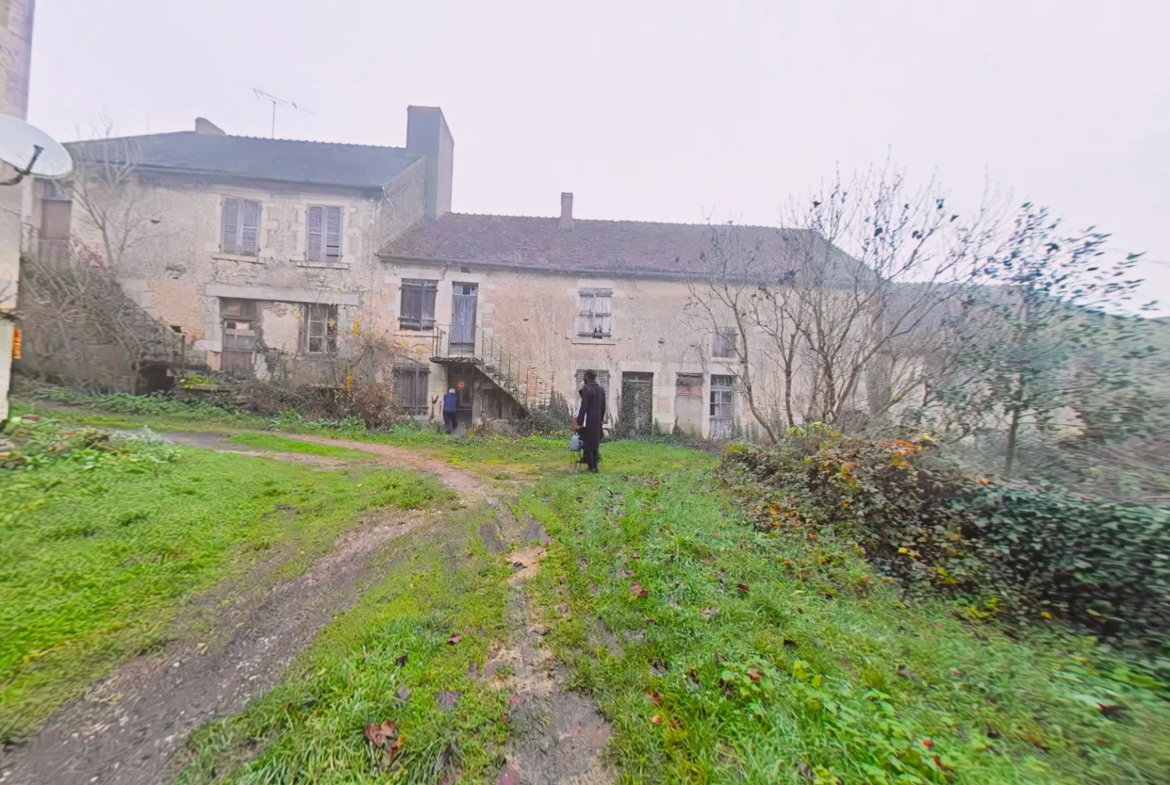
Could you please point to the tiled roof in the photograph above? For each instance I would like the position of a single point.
(314, 163)
(590, 246)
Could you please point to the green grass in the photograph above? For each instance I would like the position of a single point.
(749, 658)
(759, 658)
(310, 729)
(99, 552)
(272, 443)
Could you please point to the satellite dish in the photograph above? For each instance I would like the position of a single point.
(29, 150)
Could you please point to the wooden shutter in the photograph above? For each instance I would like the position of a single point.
(429, 290)
(313, 233)
(249, 228)
(411, 314)
(333, 234)
(585, 312)
(231, 225)
(601, 312)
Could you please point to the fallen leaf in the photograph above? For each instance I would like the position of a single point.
(454, 639)
(638, 591)
(906, 673)
(401, 661)
(448, 700)
(655, 698)
(709, 612)
(656, 720)
(928, 744)
(379, 734)
(743, 588)
(755, 675)
(403, 693)
(789, 643)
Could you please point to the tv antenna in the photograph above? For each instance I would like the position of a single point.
(263, 96)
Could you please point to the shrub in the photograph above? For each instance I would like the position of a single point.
(1035, 552)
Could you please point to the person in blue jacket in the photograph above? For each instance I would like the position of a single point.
(450, 411)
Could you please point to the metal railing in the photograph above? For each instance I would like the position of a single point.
(508, 371)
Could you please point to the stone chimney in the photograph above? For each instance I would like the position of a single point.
(205, 126)
(427, 136)
(567, 211)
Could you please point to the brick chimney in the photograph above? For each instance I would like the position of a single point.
(205, 126)
(567, 211)
(427, 136)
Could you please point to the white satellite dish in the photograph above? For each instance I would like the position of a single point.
(29, 150)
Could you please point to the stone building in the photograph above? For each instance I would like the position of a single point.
(266, 256)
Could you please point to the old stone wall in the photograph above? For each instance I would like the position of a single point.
(174, 265)
(534, 316)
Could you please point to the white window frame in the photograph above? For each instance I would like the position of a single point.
(319, 331)
(721, 405)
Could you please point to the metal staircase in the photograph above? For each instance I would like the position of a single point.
(481, 350)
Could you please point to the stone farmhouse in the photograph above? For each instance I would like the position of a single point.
(246, 249)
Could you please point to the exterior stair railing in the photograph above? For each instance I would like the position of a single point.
(480, 348)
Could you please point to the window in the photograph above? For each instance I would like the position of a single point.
(602, 379)
(723, 342)
(323, 233)
(411, 385)
(319, 329)
(594, 310)
(722, 407)
(241, 227)
(418, 304)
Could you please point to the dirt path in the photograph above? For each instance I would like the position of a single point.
(128, 728)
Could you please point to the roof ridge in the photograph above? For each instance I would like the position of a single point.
(231, 136)
(620, 221)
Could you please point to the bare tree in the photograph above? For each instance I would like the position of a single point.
(841, 318)
(109, 203)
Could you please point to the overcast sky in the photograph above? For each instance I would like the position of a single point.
(672, 110)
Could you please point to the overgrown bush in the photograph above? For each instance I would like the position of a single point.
(1027, 551)
(552, 419)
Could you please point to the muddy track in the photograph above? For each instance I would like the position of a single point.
(131, 728)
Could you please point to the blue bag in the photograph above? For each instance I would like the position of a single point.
(575, 443)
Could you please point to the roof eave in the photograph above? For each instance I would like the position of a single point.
(661, 275)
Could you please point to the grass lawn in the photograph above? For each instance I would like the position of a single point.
(718, 654)
(723, 655)
(98, 552)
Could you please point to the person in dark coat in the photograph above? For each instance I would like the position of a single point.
(450, 411)
(589, 419)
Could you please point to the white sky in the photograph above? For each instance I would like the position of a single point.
(670, 110)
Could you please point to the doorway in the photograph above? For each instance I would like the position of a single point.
(688, 403)
(462, 378)
(464, 305)
(637, 408)
(239, 336)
